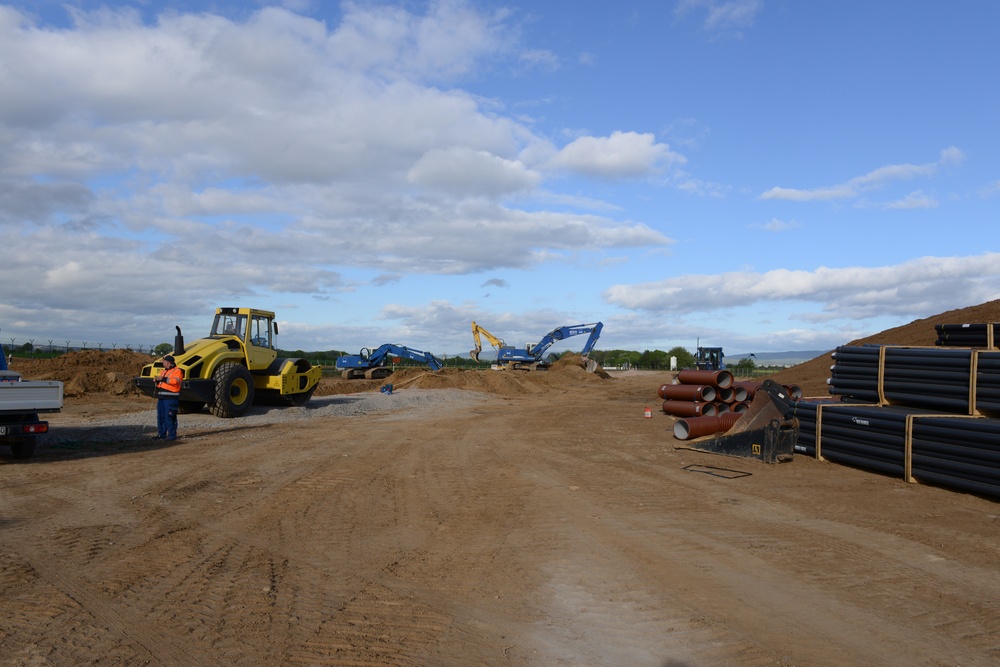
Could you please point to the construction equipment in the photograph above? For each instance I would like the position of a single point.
(531, 356)
(236, 366)
(21, 401)
(478, 331)
(373, 365)
(709, 359)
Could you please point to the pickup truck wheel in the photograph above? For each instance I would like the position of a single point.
(22, 448)
(233, 390)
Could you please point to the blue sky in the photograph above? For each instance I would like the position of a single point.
(760, 175)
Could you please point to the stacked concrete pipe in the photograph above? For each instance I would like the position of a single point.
(696, 393)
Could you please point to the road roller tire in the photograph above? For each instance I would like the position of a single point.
(233, 390)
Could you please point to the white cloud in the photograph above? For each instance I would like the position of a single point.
(464, 172)
(990, 190)
(540, 58)
(924, 286)
(394, 43)
(871, 181)
(722, 15)
(623, 154)
(736, 13)
(916, 199)
(203, 148)
(776, 225)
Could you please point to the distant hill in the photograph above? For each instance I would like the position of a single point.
(812, 375)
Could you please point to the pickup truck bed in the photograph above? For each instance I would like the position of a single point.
(30, 396)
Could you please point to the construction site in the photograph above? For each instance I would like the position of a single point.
(484, 517)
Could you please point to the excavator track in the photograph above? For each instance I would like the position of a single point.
(378, 373)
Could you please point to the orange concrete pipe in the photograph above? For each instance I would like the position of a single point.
(725, 395)
(689, 408)
(687, 392)
(750, 387)
(794, 390)
(720, 379)
(695, 427)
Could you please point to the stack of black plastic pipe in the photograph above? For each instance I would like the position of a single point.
(957, 452)
(867, 437)
(805, 412)
(967, 335)
(988, 383)
(919, 377)
(930, 387)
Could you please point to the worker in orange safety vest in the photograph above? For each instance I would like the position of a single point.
(168, 389)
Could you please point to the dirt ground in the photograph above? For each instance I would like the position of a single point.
(547, 523)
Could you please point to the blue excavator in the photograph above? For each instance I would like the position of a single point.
(375, 364)
(531, 357)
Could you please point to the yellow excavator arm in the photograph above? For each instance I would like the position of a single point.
(476, 332)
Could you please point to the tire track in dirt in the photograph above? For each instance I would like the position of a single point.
(870, 571)
(433, 493)
(866, 578)
(599, 613)
(306, 537)
(279, 571)
(100, 619)
(593, 614)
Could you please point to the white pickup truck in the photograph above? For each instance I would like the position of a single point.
(21, 401)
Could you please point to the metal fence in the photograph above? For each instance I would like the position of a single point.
(37, 347)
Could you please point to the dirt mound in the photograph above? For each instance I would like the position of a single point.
(565, 372)
(87, 371)
(96, 372)
(812, 375)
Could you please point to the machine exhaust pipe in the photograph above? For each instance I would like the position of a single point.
(178, 342)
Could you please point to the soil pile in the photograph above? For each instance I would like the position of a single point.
(569, 370)
(87, 371)
(95, 372)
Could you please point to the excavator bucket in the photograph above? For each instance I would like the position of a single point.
(767, 431)
(474, 354)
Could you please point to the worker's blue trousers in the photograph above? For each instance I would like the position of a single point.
(166, 418)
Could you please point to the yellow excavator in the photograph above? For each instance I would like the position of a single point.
(478, 331)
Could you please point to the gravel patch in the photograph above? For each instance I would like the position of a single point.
(401, 404)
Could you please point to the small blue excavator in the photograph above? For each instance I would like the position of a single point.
(375, 365)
